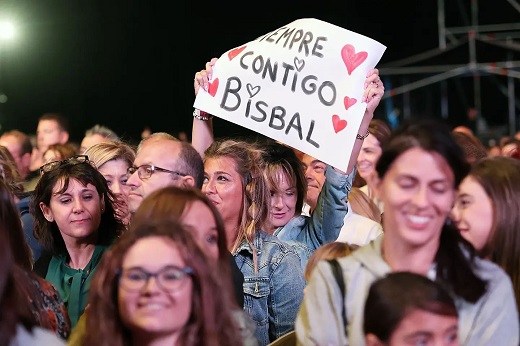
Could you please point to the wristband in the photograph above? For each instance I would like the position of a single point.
(201, 115)
(362, 137)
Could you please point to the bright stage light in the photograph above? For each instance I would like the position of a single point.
(6, 30)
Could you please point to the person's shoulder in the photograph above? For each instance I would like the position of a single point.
(36, 337)
(490, 272)
(368, 251)
(24, 203)
(31, 180)
(366, 258)
(41, 266)
(273, 247)
(271, 241)
(292, 229)
(363, 222)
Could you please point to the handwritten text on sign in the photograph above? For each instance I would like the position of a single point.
(300, 84)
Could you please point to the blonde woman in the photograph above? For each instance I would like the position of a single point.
(273, 278)
(112, 160)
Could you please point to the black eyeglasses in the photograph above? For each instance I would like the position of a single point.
(74, 160)
(146, 171)
(170, 278)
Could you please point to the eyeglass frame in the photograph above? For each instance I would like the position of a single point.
(56, 164)
(186, 272)
(152, 168)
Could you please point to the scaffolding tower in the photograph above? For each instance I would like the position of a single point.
(500, 35)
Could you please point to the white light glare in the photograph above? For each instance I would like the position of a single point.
(6, 30)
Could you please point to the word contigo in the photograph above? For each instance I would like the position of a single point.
(326, 91)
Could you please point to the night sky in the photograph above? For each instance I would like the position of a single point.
(128, 64)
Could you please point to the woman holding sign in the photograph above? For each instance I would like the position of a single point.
(287, 180)
(234, 182)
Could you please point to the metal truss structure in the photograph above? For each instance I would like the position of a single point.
(501, 35)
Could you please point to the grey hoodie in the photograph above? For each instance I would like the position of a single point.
(493, 320)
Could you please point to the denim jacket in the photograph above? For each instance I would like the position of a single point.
(305, 234)
(272, 297)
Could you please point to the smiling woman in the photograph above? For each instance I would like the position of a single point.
(156, 286)
(75, 222)
(419, 171)
(482, 213)
(379, 132)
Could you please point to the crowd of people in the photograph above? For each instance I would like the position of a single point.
(233, 241)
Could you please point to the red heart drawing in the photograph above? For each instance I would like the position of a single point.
(213, 87)
(339, 124)
(349, 102)
(234, 52)
(352, 59)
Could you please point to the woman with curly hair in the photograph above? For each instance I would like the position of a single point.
(75, 222)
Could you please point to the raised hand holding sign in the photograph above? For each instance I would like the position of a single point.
(301, 84)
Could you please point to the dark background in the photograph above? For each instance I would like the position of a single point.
(128, 64)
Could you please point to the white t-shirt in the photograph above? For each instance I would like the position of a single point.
(358, 230)
(38, 337)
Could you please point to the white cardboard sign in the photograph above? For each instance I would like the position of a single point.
(300, 84)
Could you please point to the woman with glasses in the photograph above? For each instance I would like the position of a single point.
(113, 159)
(202, 220)
(75, 221)
(156, 287)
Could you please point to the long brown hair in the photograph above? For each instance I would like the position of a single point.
(9, 172)
(211, 321)
(13, 303)
(380, 129)
(282, 162)
(255, 202)
(171, 202)
(500, 179)
(47, 232)
(11, 223)
(362, 205)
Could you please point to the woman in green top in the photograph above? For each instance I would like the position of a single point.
(74, 220)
